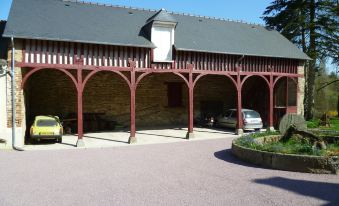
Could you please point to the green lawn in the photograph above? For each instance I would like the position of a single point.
(315, 124)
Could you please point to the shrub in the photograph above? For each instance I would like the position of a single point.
(313, 123)
(332, 113)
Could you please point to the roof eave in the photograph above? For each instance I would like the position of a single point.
(246, 54)
(151, 45)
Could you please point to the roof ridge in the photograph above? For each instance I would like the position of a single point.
(108, 5)
(171, 12)
(215, 18)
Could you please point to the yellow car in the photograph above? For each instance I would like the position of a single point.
(46, 127)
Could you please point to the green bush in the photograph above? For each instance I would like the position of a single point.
(314, 123)
(335, 123)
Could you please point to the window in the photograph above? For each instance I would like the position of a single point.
(174, 94)
(251, 114)
(46, 123)
(162, 38)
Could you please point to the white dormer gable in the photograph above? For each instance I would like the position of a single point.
(162, 36)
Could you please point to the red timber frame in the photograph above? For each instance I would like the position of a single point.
(133, 64)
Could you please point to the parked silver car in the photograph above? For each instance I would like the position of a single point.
(251, 119)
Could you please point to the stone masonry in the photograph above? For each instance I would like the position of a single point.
(20, 108)
(301, 90)
(52, 92)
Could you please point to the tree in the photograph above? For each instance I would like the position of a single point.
(327, 91)
(312, 25)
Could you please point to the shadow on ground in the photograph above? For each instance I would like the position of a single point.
(159, 135)
(227, 156)
(105, 139)
(216, 130)
(320, 190)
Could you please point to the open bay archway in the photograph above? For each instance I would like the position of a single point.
(213, 95)
(256, 96)
(161, 101)
(48, 92)
(106, 103)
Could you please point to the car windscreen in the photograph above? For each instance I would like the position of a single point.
(46, 123)
(251, 114)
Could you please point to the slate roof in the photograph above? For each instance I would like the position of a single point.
(90, 23)
(162, 15)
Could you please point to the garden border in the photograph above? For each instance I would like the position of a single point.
(289, 162)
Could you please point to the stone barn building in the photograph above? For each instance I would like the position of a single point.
(101, 66)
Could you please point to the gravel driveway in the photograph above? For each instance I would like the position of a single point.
(185, 173)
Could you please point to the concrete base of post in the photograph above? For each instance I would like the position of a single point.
(80, 143)
(239, 131)
(190, 135)
(132, 140)
(270, 129)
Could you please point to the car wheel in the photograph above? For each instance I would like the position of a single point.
(59, 140)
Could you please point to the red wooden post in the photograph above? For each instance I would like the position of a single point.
(190, 85)
(271, 103)
(239, 130)
(80, 142)
(132, 138)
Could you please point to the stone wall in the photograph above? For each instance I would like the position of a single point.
(214, 88)
(301, 91)
(52, 92)
(18, 92)
(19, 103)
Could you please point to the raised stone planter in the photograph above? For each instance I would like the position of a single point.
(289, 162)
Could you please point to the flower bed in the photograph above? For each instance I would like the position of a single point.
(294, 155)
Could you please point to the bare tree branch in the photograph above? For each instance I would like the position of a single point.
(327, 84)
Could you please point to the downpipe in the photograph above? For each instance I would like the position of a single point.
(12, 74)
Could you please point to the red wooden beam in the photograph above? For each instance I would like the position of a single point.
(132, 137)
(80, 142)
(271, 103)
(190, 106)
(239, 104)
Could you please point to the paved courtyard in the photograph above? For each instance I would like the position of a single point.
(144, 136)
(181, 173)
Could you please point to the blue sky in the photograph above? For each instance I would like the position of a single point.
(246, 10)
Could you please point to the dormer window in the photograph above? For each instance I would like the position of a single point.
(160, 28)
(163, 38)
